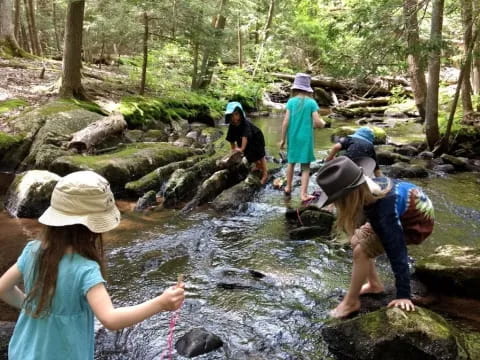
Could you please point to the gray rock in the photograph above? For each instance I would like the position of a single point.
(403, 170)
(426, 155)
(29, 194)
(389, 158)
(197, 342)
(147, 200)
(451, 269)
(459, 162)
(446, 168)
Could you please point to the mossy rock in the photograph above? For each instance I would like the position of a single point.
(342, 131)
(9, 145)
(125, 165)
(392, 334)
(451, 269)
(11, 104)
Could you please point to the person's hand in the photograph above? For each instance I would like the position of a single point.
(282, 144)
(404, 304)
(237, 149)
(173, 297)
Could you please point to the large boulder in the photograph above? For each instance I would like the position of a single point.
(238, 195)
(127, 164)
(385, 157)
(9, 150)
(29, 194)
(393, 334)
(404, 170)
(451, 269)
(48, 127)
(342, 131)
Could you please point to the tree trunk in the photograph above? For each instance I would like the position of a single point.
(55, 25)
(16, 23)
(431, 110)
(8, 42)
(95, 133)
(72, 52)
(145, 53)
(239, 43)
(415, 67)
(174, 19)
(266, 34)
(195, 66)
(34, 33)
(476, 56)
(467, 21)
(24, 37)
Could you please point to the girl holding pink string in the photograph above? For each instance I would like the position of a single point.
(63, 277)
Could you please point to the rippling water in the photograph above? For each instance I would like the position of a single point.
(278, 316)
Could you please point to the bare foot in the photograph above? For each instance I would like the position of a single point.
(369, 288)
(345, 309)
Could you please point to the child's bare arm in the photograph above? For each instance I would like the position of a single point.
(285, 122)
(333, 151)
(115, 319)
(318, 122)
(244, 143)
(9, 292)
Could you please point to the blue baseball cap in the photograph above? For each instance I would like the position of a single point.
(364, 133)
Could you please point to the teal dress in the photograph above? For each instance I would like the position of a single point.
(300, 130)
(67, 332)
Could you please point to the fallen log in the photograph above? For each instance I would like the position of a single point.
(372, 87)
(359, 112)
(380, 101)
(95, 133)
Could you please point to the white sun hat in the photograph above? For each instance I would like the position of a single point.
(82, 197)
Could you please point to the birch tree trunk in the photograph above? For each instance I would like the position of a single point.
(72, 52)
(416, 69)
(266, 34)
(431, 113)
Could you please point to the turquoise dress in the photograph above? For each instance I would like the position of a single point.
(300, 130)
(67, 332)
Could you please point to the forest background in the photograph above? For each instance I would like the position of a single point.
(228, 49)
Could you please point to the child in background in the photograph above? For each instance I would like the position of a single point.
(245, 137)
(297, 128)
(397, 214)
(357, 145)
(63, 276)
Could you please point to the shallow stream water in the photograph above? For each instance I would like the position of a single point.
(278, 316)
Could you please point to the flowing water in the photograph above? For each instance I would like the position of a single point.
(278, 316)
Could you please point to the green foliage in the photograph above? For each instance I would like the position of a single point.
(11, 104)
(7, 141)
(236, 84)
(398, 95)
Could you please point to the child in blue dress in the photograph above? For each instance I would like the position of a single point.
(63, 277)
(300, 119)
(379, 215)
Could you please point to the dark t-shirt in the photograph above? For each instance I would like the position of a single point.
(255, 149)
(355, 148)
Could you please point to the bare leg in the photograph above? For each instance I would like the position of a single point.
(360, 271)
(374, 284)
(304, 184)
(262, 166)
(288, 188)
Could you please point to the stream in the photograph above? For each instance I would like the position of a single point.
(278, 316)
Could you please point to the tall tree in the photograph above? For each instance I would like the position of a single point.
(467, 20)
(431, 113)
(8, 42)
(416, 69)
(266, 34)
(72, 52)
(145, 53)
(32, 26)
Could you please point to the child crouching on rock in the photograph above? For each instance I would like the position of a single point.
(379, 215)
(246, 138)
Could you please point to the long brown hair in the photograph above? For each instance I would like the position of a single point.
(350, 213)
(56, 242)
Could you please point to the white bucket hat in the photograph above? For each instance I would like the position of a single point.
(82, 197)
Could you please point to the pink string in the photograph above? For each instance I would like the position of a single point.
(171, 332)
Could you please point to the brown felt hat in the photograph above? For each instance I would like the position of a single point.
(341, 175)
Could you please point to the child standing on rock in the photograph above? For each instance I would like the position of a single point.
(379, 215)
(63, 277)
(297, 129)
(246, 138)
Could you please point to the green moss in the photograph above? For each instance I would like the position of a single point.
(11, 104)
(56, 107)
(7, 140)
(87, 105)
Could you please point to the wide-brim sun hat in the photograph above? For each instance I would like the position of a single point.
(231, 108)
(302, 82)
(341, 175)
(82, 197)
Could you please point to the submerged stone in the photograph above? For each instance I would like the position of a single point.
(197, 342)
